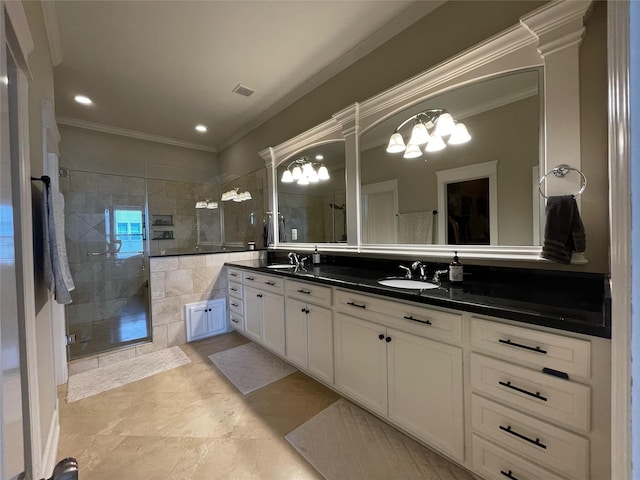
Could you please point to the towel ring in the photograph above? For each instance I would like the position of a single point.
(560, 171)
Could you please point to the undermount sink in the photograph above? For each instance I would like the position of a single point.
(407, 283)
(281, 265)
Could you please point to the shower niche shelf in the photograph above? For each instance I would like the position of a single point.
(162, 220)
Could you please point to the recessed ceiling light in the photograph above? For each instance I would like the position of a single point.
(319, 157)
(83, 100)
(201, 128)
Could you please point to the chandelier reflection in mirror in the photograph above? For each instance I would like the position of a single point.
(208, 203)
(303, 171)
(235, 195)
(430, 128)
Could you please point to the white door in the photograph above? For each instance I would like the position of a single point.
(273, 321)
(361, 361)
(425, 390)
(296, 332)
(379, 212)
(253, 313)
(11, 415)
(320, 342)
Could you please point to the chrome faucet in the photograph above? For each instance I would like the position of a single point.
(407, 270)
(294, 259)
(422, 267)
(436, 276)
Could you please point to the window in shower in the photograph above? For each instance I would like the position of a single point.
(129, 227)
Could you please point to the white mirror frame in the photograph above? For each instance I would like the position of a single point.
(548, 37)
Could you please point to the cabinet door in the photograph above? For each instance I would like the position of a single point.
(296, 332)
(361, 361)
(273, 321)
(253, 313)
(216, 322)
(320, 342)
(197, 321)
(425, 390)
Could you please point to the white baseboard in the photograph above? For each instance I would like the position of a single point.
(50, 453)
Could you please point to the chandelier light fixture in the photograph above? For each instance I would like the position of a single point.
(208, 203)
(430, 128)
(235, 195)
(303, 171)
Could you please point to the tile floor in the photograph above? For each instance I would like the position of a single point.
(192, 423)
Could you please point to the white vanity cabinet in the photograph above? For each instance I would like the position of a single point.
(264, 310)
(205, 319)
(235, 299)
(530, 398)
(309, 328)
(392, 366)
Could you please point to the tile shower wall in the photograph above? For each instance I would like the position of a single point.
(176, 200)
(174, 282)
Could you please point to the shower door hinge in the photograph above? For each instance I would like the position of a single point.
(69, 339)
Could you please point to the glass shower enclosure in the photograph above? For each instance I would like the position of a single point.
(106, 244)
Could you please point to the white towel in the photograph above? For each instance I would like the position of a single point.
(415, 228)
(56, 263)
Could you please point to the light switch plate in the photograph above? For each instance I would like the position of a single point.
(294, 234)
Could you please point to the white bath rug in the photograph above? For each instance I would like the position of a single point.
(250, 367)
(343, 442)
(92, 382)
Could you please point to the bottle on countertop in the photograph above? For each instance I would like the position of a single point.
(455, 269)
(316, 256)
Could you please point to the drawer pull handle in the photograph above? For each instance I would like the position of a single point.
(234, 320)
(233, 289)
(233, 274)
(259, 295)
(270, 283)
(536, 442)
(508, 474)
(356, 305)
(409, 317)
(522, 390)
(235, 305)
(519, 345)
(249, 278)
(306, 292)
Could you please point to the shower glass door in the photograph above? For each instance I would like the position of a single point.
(106, 245)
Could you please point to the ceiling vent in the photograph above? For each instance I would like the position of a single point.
(243, 90)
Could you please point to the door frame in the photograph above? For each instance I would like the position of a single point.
(381, 187)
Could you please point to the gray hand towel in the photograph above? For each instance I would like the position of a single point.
(564, 231)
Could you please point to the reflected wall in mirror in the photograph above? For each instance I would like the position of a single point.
(313, 210)
(244, 212)
(406, 201)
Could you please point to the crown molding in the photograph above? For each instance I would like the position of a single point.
(124, 132)
(53, 31)
(326, 132)
(407, 18)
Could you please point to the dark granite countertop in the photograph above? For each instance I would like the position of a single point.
(571, 302)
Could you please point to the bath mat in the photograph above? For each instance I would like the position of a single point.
(250, 367)
(343, 442)
(92, 382)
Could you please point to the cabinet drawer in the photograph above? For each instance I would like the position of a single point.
(533, 348)
(269, 283)
(236, 321)
(236, 306)
(309, 292)
(235, 290)
(544, 444)
(558, 400)
(424, 321)
(494, 463)
(234, 275)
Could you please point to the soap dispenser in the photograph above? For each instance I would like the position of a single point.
(316, 256)
(455, 269)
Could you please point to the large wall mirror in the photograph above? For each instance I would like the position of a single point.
(473, 186)
(311, 202)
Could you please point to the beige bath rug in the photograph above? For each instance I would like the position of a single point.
(344, 442)
(92, 382)
(250, 367)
